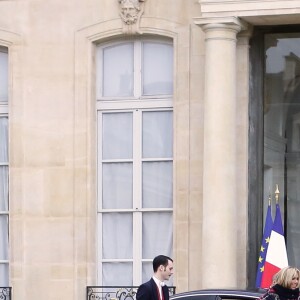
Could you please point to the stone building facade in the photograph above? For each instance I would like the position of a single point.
(57, 88)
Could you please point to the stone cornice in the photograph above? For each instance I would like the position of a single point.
(248, 8)
(202, 21)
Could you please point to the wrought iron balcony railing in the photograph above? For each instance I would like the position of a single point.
(5, 293)
(115, 292)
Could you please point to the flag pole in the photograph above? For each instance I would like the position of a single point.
(277, 194)
(276, 257)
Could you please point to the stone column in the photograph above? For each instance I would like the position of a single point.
(219, 252)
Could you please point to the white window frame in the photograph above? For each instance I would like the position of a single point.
(136, 105)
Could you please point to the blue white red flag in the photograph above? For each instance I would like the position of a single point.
(276, 257)
(264, 246)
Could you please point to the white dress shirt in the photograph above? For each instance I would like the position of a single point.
(159, 284)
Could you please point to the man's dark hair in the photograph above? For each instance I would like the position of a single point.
(160, 260)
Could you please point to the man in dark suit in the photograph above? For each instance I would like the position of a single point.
(155, 288)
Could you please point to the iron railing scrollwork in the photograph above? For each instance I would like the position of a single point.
(5, 293)
(115, 292)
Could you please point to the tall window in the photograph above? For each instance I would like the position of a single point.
(4, 167)
(282, 130)
(274, 145)
(135, 158)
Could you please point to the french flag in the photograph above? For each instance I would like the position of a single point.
(264, 246)
(276, 257)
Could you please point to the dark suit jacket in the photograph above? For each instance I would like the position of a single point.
(148, 291)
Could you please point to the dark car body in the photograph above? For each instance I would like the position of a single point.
(218, 294)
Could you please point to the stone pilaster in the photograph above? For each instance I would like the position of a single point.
(219, 253)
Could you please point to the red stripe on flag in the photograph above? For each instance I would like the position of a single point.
(269, 271)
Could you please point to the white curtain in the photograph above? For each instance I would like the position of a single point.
(117, 135)
(117, 185)
(3, 164)
(3, 200)
(117, 244)
(157, 185)
(117, 235)
(157, 134)
(157, 69)
(135, 158)
(118, 70)
(157, 237)
(117, 274)
(4, 275)
(4, 237)
(117, 192)
(3, 75)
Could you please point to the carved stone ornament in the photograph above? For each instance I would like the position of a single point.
(130, 12)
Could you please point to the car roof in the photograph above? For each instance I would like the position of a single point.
(225, 293)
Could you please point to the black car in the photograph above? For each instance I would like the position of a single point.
(218, 294)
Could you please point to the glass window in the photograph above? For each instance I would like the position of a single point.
(282, 132)
(117, 235)
(157, 184)
(135, 158)
(118, 71)
(117, 135)
(109, 271)
(3, 74)
(156, 227)
(157, 69)
(157, 127)
(117, 185)
(4, 197)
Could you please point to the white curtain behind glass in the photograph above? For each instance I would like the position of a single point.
(4, 237)
(117, 235)
(3, 76)
(117, 185)
(117, 274)
(157, 186)
(157, 134)
(3, 164)
(157, 238)
(117, 193)
(4, 275)
(135, 158)
(117, 135)
(118, 71)
(3, 200)
(157, 69)
(117, 188)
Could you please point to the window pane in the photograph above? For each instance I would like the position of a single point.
(4, 275)
(157, 134)
(117, 274)
(117, 185)
(157, 234)
(118, 71)
(157, 185)
(147, 271)
(3, 188)
(117, 235)
(117, 135)
(3, 140)
(157, 69)
(3, 76)
(4, 237)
